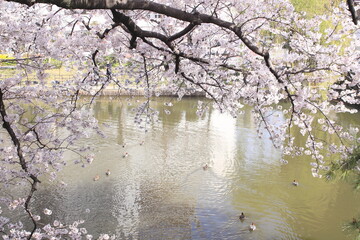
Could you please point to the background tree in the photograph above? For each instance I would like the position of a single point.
(230, 50)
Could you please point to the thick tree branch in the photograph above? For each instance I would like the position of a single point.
(193, 18)
(197, 18)
(34, 180)
(93, 57)
(136, 31)
(354, 16)
(182, 33)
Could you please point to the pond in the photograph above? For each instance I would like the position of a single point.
(162, 191)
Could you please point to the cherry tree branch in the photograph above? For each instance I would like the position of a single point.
(136, 31)
(7, 126)
(352, 11)
(202, 87)
(327, 120)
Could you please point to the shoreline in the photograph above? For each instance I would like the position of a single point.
(139, 92)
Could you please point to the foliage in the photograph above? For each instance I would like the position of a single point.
(6, 63)
(53, 62)
(352, 226)
(314, 7)
(215, 47)
(349, 168)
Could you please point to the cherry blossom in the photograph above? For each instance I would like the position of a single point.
(259, 53)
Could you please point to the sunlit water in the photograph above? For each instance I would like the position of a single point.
(161, 191)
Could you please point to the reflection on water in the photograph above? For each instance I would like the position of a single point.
(161, 191)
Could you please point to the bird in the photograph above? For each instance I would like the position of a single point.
(252, 227)
(142, 143)
(107, 172)
(96, 178)
(242, 216)
(206, 166)
(125, 155)
(295, 183)
(124, 145)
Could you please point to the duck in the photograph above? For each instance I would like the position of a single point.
(206, 166)
(242, 216)
(96, 178)
(107, 172)
(295, 183)
(125, 155)
(252, 227)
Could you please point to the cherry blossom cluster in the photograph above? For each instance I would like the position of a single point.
(296, 72)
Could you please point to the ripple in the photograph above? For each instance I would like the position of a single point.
(161, 190)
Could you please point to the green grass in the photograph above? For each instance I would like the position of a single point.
(314, 7)
(6, 57)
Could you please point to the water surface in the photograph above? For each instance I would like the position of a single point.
(161, 191)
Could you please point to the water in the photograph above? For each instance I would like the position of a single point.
(161, 191)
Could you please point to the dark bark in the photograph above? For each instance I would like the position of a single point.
(194, 18)
(33, 179)
(354, 16)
